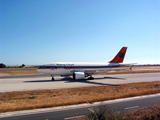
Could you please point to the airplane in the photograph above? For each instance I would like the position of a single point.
(84, 70)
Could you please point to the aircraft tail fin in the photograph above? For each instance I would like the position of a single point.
(120, 56)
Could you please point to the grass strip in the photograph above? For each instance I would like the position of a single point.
(24, 100)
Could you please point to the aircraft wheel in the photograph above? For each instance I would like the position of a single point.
(52, 78)
(91, 78)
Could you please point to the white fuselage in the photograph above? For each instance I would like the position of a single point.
(68, 68)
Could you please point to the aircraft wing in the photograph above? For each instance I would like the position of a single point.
(94, 71)
(127, 64)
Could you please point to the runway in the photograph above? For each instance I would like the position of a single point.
(41, 81)
(18, 69)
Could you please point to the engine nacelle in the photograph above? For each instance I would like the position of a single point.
(78, 75)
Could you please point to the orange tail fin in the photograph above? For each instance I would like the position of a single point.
(120, 56)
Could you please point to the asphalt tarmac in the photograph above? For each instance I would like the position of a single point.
(18, 69)
(42, 81)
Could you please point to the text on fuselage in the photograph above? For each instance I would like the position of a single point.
(64, 65)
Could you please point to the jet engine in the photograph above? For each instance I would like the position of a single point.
(79, 75)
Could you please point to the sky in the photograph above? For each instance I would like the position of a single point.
(34, 32)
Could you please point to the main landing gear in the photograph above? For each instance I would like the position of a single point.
(90, 77)
(52, 78)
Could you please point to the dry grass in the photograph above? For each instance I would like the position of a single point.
(13, 101)
(151, 112)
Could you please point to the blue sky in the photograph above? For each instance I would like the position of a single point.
(34, 32)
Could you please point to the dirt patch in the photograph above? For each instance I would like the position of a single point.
(23, 100)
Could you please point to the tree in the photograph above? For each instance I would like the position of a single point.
(2, 65)
(23, 65)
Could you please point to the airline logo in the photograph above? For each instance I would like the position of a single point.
(121, 55)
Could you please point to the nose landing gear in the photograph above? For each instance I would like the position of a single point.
(52, 78)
